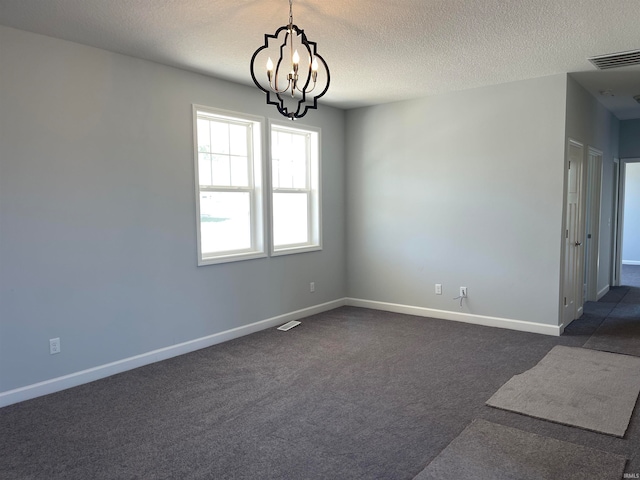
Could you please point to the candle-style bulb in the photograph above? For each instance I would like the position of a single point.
(296, 61)
(269, 70)
(314, 65)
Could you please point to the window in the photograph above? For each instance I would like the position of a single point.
(295, 196)
(229, 196)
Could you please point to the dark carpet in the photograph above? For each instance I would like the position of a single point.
(488, 451)
(349, 394)
(630, 275)
(620, 331)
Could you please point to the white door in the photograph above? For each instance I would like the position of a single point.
(592, 236)
(573, 255)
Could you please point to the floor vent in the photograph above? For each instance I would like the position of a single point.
(289, 325)
(616, 60)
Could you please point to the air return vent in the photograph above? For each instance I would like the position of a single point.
(615, 60)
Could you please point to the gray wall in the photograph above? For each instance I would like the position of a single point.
(97, 214)
(631, 237)
(630, 139)
(463, 189)
(591, 124)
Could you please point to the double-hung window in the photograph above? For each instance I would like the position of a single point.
(295, 185)
(229, 195)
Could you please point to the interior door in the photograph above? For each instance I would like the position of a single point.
(573, 255)
(592, 230)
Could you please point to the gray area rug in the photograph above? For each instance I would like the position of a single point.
(620, 330)
(488, 451)
(575, 386)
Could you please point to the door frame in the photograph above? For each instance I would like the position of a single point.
(568, 242)
(592, 217)
(619, 227)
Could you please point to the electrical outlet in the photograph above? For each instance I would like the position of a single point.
(54, 345)
(438, 289)
(463, 292)
(312, 287)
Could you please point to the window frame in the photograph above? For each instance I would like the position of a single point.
(255, 155)
(314, 179)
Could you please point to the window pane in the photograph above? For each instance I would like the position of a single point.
(219, 137)
(239, 171)
(289, 154)
(204, 137)
(238, 139)
(204, 168)
(225, 221)
(290, 218)
(220, 170)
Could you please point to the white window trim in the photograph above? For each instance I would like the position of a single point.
(258, 210)
(315, 182)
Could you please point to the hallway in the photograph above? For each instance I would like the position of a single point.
(612, 323)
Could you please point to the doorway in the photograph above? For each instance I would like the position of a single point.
(628, 230)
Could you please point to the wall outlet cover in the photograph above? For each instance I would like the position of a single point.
(54, 346)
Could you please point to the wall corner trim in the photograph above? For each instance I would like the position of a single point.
(102, 371)
(510, 324)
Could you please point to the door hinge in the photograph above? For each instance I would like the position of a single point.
(569, 164)
(565, 301)
(566, 234)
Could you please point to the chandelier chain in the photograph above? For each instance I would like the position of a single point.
(290, 12)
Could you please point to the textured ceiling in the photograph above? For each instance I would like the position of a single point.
(378, 51)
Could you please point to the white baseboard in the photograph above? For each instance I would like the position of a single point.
(602, 292)
(85, 376)
(563, 326)
(631, 262)
(507, 323)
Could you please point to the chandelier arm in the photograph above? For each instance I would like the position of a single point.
(309, 90)
(282, 48)
(307, 46)
(255, 55)
(326, 69)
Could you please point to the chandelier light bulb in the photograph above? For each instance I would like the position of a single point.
(296, 61)
(269, 70)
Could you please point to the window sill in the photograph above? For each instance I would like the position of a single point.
(234, 257)
(293, 250)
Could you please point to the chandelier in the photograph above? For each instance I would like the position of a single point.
(298, 77)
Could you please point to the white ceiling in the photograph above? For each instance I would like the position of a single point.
(378, 50)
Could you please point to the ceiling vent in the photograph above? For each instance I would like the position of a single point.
(615, 60)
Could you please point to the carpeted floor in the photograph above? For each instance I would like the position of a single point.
(620, 331)
(630, 275)
(350, 394)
